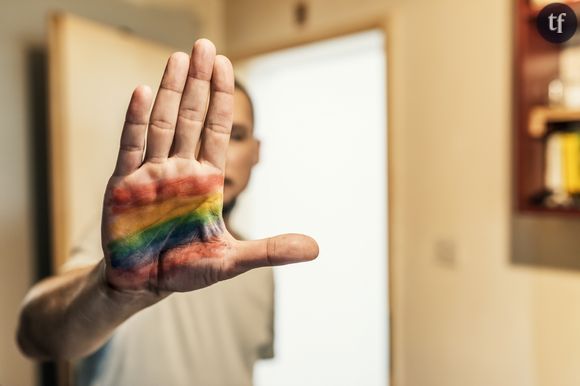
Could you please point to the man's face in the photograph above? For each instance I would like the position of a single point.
(243, 151)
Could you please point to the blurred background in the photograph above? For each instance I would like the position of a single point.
(459, 122)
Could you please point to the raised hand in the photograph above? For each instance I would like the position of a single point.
(162, 227)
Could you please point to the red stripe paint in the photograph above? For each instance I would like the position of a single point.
(134, 279)
(179, 267)
(124, 198)
(192, 253)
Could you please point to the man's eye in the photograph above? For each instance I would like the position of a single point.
(238, 136)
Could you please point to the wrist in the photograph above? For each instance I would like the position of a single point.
(138, 299)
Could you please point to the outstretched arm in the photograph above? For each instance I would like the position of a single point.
(162, 225)
(72, 314)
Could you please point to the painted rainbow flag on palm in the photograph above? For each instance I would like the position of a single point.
(165, 216)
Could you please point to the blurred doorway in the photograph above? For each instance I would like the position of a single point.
(321, 116)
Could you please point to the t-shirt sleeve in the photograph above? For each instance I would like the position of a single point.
(87, 250)
(266, 350)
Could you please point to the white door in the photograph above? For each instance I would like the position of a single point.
(320, 113)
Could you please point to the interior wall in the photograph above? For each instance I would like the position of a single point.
(22, 35)
(209, 16)
(463, 314)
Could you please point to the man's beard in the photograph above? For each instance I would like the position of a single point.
(228, 207)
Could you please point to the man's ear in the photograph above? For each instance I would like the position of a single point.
(256, 152)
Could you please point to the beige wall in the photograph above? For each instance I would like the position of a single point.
(463, 314)
(209, 16)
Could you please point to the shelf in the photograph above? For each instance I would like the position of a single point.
(541, 116)
(536, 64)
(568, 212)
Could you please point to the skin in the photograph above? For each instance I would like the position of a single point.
(243, 150)
(163, 230)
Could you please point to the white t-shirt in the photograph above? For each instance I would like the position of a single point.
(208, 337)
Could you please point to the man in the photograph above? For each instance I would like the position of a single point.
(163, 234)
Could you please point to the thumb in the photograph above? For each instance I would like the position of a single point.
(279, 250)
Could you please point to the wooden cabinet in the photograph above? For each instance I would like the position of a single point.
(536, 64)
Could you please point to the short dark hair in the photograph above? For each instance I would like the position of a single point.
(239, 86)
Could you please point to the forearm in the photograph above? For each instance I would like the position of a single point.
(73, 314)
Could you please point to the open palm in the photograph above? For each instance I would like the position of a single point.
(162, 227)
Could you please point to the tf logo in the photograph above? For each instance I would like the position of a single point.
(556, 22)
